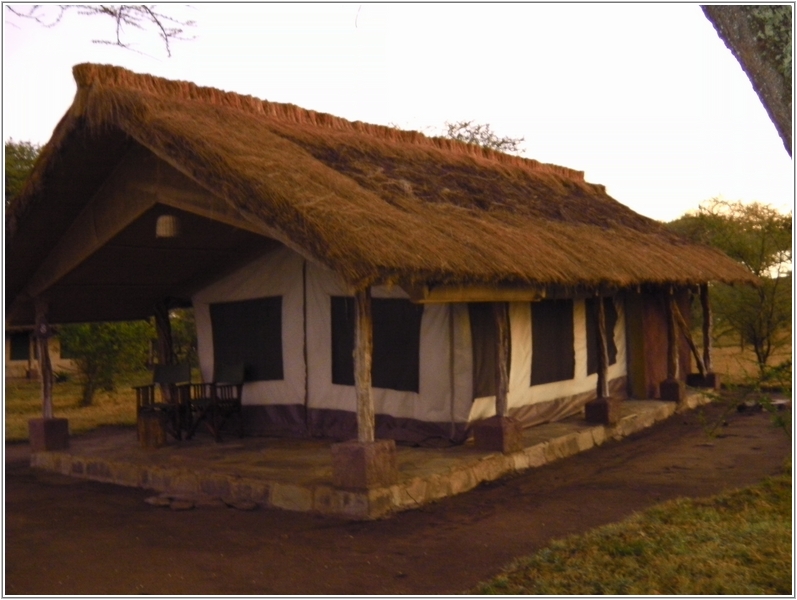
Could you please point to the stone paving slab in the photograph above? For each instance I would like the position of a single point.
(296, 474)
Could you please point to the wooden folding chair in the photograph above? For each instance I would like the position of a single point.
(165, 397)
(214, 403)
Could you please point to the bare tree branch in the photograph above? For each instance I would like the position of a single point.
(137, 16)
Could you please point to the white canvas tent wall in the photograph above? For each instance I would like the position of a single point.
(307, 402)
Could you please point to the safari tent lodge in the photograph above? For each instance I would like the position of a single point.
(375, 283)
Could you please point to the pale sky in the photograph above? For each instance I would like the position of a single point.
(645, 98)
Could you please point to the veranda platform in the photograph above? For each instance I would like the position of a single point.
(296, 474)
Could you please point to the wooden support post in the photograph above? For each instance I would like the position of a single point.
(672, 337)
(500, 433)
(43, 334)
(501, 314)
(679, 318)
(364, 463)
(47, 433)
(603, 353)
(163, 328)
(363, 352)
(672, 388)
(708, 318)
(604, 409)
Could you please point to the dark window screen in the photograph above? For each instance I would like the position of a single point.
(20, 346)
(552, 355)
(249, 332)
(483, 340)
(395, 363)
(592, 332)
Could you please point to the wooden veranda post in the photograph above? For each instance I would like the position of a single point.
(364, 463)
(672, 336)
(603, 353)
(363, 352)
(47, 433)
(672, 388)
(43, 334)
(679, 318)
(502, 350)
(163, 328)
(705, 303)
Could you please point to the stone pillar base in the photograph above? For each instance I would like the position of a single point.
(151, 429)
(498, 434)
(603, 411)
(711, 380)
(672, 389)
(362, 465)
(48, 434)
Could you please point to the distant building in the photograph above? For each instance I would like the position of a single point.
(22, 356)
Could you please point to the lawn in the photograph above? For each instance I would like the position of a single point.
(739, 542)
(23, 402)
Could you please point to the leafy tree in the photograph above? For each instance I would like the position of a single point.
(759, 237)
(184, 340)
(103, 350)
(479, 134)
(20, 157)
(125, 17)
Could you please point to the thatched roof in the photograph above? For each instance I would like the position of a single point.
(375, 204)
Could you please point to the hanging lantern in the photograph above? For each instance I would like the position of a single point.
(167, 226)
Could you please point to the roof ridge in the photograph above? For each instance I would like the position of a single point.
(88, 75)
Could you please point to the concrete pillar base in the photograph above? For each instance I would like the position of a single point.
(672, 389)
(498, 434)
(711, 380)
(603, 411)
(362, 465)
(48, 434)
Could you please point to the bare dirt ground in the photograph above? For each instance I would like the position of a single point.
(72, 537)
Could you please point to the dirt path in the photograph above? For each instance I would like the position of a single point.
(65, 536)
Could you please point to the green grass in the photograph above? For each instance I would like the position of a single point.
(736, 543)
(23, 402)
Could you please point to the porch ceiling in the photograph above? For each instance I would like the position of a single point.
(126, 277)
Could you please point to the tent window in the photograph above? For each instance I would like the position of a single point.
(397, 340)
(20, 346)
(553, 357)
(484, 340)
(249, 332)
(592, 332)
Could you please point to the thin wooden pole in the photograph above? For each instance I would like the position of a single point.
(708, 324)
(502, 349)
(45, 367)
(672, 337)
(603, 352)
(679, 318)
(363, 352)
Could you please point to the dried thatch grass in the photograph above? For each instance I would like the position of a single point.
(380, 205)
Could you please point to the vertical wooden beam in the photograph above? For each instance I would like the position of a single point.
(363, 353)
(708, 318)
(679, 318)
(603, 352)
(42, 334)
(163, 328)
(501, 314)
(672, 335)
